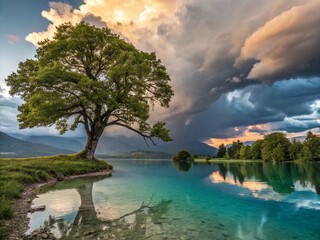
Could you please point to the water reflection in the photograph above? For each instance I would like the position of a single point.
(71, 214)
(183, 166)
(282, 177)
(273, 181)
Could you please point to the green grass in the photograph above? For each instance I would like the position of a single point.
(16, 173)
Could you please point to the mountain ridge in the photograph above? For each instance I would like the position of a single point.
(121, 144)
(14, 147)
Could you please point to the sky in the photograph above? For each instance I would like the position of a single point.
(239, 68)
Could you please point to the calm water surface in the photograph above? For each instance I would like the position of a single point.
(157, 200)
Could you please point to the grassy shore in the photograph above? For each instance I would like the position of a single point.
(223, 160)
(17, 173)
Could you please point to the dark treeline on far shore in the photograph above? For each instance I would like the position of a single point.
(274, 147)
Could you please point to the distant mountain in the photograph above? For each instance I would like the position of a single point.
(13, 147)
(124, 144)
(71, 144)
(121, 144)
(140, 154)
(58, 142)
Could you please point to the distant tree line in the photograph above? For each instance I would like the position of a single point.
(274, 147)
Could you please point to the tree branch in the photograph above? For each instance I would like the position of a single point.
(145, 136)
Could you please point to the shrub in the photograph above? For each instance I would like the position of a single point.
(3, 233)
(42, 175)
(183, 155)
(10, 189)
(6, 211)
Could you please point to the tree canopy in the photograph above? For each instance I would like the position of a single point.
(222, 150)
(183, 156)
(276, 147)
(90, 76)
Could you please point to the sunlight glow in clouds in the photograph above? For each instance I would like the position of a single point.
(284, 44)
(247, 135)
(119, 15)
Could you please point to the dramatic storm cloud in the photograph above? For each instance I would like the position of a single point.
(286, 46)
(229, 60)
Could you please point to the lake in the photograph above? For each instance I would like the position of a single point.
(154, 199)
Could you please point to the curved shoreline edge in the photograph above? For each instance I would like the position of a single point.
(19, 223)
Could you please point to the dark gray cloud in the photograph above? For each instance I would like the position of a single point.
(8, 113)
(209, 39)
(222, 95)
(9, 102)
(288, 105)
(293, 127)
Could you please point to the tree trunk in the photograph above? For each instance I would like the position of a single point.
(91, 145)
(90, 148)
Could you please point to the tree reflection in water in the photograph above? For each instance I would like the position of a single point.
(87, 225)
(282, 177)
(183, 166)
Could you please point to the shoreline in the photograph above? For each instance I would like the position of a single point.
(203, 160)
(19, 223)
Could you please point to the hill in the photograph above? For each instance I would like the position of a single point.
(140, 154)
(122, 145)
(13, 147)
(71, 144)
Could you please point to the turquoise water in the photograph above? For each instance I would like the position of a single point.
(157, 200)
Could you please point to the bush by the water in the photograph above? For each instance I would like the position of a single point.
(183, 155)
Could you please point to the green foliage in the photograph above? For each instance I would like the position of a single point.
(295, 150)
(3, 233)
(183, 156)
(275, 147)
(256, 149)
(15, 173)
(234, 150)
(88, 75)
(6, 211)
(311, 148)
(222, 151)
(183, 166)
(183, 161)
(245, 152)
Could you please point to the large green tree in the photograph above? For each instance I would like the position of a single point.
(234, 150)
(275, 147)
(245, 152)
(311, 148)
(90, 76)
(222, 151)
(256, 149)
(295, 150)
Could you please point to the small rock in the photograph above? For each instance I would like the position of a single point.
(143, 226)
(44, 236)
(36, 209)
